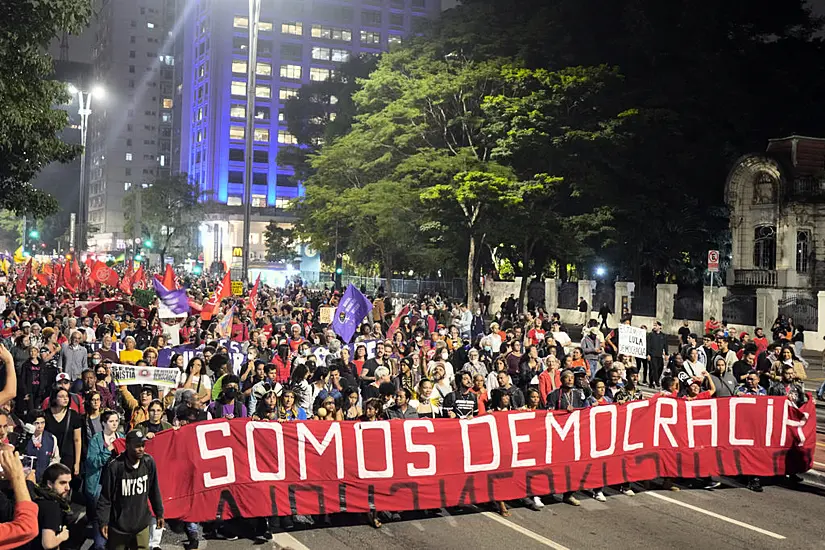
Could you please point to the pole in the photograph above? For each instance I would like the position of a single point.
(84, 110)
(712, 301)
(251, 68)
(137, 230)
(25, 233)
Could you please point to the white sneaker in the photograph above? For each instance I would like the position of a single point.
(628, 492)
(537, 501)
(598, 495)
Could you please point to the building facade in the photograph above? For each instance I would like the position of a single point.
(300, 41)
(777, 216)
(131, 128)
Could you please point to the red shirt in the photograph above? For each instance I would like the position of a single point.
(701, 395)
(295, 344)
(535, 336)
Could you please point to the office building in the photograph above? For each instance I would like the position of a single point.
(131, 128)
(300, 41)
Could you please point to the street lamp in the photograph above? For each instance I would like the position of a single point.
(251, 70)
(84, 109)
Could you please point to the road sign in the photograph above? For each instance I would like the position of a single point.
(237, 251)
(237, 288)
(713, 261)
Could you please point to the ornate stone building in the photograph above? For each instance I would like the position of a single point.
(777, 216)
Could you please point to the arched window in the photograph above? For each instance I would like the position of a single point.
(764, 189)
(803, 250)
(764, 247)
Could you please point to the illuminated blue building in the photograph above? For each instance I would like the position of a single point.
(300, 41)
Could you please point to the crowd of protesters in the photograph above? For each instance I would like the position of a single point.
(60, 403)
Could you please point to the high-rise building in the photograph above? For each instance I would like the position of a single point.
(131, 130)
(300, 41)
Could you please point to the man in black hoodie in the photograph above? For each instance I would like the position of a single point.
(129, 483)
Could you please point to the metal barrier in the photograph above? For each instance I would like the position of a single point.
(643, 302)
(739, 308)
(802, 307)
(689, 304)
(569, 296)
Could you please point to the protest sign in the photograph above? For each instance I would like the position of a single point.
(241, 468)
(632, 341)
(129, 374)
(325, 314)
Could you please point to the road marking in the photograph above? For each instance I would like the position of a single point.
(820, 444)
(820, 464)
(524, 531)
(450, 519)
(715, 515)
(285, 540)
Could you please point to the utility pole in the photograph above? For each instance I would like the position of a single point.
(251, 68)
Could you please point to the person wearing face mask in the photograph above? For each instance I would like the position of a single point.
(100, 451)
(229, 404)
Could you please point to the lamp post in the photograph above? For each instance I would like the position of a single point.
(84, 109)
(251, 69)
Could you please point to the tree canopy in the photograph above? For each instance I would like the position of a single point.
(30, 124)
(557, 132)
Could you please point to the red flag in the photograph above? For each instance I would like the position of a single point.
(139, 279)
(168, 281)
(126, 281)
(42, 278)
(23, 278)
(103, 274)
(224, 290)
(397, 321)
(253, 298)
(86, 284)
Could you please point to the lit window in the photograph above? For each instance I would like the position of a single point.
(319, 75)
(292, 27)
(200, 113)
(237, 111)
(333, 116)
(322, 54)
(264, 26)
(263, 91)
(263, 69)
(291, 71)
(286, 93)
(238, 88)
(166, 117)
(200, 136)
(368, 37)
(238, 66)
(333, 100)
(236, 132)
(394, 40)
(281, 202)
(286, 137)
(234, 201)
(167, 103)
(128, 156)
(127, 185)
(261, 134)
(331, 33)
(150, 25)
(241, 22)
(163, 160)
(259, 201)
(340, 56)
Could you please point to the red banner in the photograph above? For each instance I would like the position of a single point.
(244, 468)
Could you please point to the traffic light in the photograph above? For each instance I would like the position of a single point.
(138, 258)
(148, 243)
(34, 234)
(339, 270)
(197, 269)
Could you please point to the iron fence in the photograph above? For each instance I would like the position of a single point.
(689, 304)
(403, 287)
(605, 294)
(739, 308)
(569, 296)
(535, 295)
(643, 302)
(802, 307)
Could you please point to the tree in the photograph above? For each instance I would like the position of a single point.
(279, 242)
(171, 211)
(30, 124)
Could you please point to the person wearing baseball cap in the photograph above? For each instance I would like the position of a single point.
(129, 484)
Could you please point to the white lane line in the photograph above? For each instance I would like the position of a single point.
(285, 540)
(524, 531)
(715, 515)
(820, 464)
(450, 519)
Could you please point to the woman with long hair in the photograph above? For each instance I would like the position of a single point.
(407, 377)
(373, 411)
(92, 422)
(300, 385)
(327, 410)
(29, 384)
(359, 359)
(42, 445)
(66, 425)
(267, 407)
(787, 356)
(428, 405)
(100, 451)
(352, 410)
(50, 356)
(197, 379)
(289, 409)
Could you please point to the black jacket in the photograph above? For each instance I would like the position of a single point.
(125, 492)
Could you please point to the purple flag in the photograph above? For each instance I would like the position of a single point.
(175, 300)
(352, 309)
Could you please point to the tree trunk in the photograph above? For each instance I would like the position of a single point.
(388, 276)
(163, 258)
(527, 254)
(471, 262)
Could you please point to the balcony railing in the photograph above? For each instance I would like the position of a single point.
(755, 277)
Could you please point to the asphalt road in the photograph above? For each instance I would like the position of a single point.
(732, 516)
